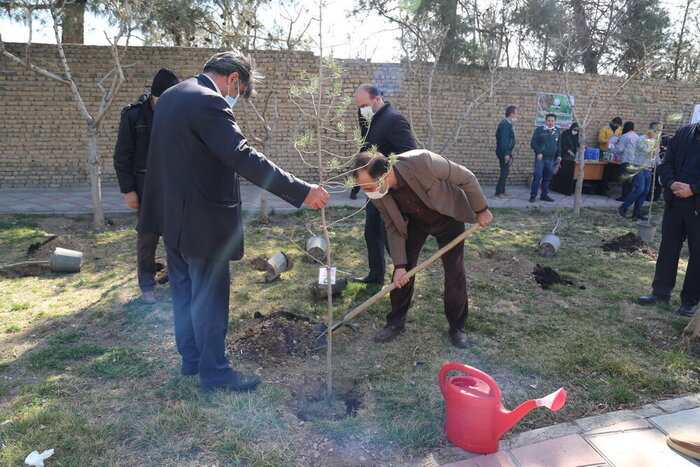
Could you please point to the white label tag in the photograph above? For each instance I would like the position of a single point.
(323, 276)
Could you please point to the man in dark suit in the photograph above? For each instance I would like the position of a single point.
(680, 175)
(384, 127)
(192, 197)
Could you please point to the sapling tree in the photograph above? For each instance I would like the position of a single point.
(125, 16)
(320, 98)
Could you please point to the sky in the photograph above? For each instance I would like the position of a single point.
(354, 37)
(369, 37)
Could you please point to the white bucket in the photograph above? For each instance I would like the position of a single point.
(63, 260)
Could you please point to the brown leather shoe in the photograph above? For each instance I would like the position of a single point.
(685, 445)
(458, 338)
(388, 333)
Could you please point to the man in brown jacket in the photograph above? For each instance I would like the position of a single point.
(423, 194)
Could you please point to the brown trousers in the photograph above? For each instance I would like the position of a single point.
(455, 294)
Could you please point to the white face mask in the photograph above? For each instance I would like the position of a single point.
(232, 100)
(367, 112)
(378, 193)
(574, 132)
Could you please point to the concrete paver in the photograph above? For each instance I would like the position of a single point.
(567, 451)
(497, 459)
(638, 424)
(639, 448)
(685, 421)
(78, 200)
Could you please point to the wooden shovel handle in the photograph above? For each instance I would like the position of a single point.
(376, 297)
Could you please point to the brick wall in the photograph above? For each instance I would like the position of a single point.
(43, 143)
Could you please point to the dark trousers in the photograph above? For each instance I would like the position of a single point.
(375, 238)
(641, 183)
(455, 294)
(146, 245)
(503, 177)
(542, 173)
(678, 224)
(626, 182)
(200, 293)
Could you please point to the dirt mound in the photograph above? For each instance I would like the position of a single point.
(25, 270)
(628, 243)
(259, 263)
(276, 337)
(309, 401)
(547, 277)
(44, 249)
(507, 264)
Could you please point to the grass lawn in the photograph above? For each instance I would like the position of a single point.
(90, 371)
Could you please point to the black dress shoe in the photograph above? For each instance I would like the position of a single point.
(237, 382)
(532, 199)
(621, 198)
(369, 280)
(388, 333)
(622, 211)
(686, 311)
(651, 299)
(458, 338)
(546, 198)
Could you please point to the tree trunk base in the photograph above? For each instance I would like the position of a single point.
(691, 332)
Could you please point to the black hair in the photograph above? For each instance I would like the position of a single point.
(629, 126)
(574, 125)
(376, 165)
(617, 121)
(372, 90)
(551, 115)
(510, 110)
(655, 125)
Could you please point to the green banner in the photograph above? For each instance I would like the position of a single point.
(560, 105)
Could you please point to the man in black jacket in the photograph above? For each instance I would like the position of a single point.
(384, 127)
(680, 176)
(130, 155)
(192, 197)
(505, 143)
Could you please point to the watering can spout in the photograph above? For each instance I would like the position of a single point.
(553, 401)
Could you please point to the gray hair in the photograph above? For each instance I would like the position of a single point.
(225, 63)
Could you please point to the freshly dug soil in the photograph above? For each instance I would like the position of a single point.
(627, 243)
(508, 264)
(276, 337)
(44, 249)
(309, 401)
(25, 270)
(259, 263)
(547, 277)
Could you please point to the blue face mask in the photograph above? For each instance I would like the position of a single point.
(232, 100)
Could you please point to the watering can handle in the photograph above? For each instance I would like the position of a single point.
(495, 390)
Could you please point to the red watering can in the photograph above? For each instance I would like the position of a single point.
(475, 419)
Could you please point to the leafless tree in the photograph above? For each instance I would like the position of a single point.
(109, 85)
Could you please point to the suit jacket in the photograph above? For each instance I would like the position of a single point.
(442, 185)
(676, 153)
(388, 130)
(192, 193)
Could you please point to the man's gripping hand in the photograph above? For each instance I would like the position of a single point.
(484, 218)
(317, 197)
(398, 278)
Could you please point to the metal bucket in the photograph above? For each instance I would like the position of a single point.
(63, 260)
(646, 230)
(317, 247)
(276, 265)
(549, 245)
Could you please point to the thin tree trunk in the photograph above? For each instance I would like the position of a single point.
(73, 22)
(95, 171)
(676, 64)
